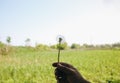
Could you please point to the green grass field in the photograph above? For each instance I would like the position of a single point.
(98, 66)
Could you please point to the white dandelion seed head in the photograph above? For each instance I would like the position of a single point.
(60, 38)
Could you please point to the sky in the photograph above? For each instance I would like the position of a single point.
(79, 21)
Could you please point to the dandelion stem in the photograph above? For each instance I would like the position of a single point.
(60, 39)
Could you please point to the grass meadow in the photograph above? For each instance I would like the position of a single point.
(27, 66)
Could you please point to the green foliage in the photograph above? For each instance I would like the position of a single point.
(2, 44)
(53, 46)
(24, 49)
(42, 47)
(8, 40)
(116, 45)
(63, 46)
(75, 46)
(5, 49)
(1, 48)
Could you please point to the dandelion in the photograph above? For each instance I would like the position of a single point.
(60, 39)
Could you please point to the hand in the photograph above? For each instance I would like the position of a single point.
(66, 73)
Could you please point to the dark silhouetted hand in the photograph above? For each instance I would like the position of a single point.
(66, 73)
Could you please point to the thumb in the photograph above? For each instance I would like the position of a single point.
(65, 69)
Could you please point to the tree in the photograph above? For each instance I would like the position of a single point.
(75, 46)
(8, 40)
(62, 46)
(53, 46)
(116, 45)
(42, 47)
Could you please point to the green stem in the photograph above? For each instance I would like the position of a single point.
(59, 52)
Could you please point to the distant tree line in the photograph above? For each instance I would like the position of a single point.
(8, 48)
(87, 46)
(90, 46)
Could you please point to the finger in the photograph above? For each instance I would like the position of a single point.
(61, 68)
(64, 64)
(55, 64)
(65, 69)
(67, 65)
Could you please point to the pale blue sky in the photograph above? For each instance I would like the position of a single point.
(80, 21)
